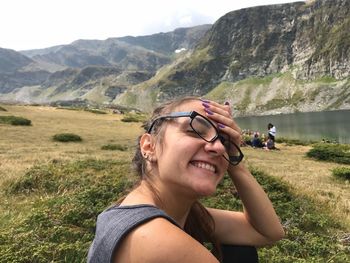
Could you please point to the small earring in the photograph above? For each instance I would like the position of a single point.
(145, 155)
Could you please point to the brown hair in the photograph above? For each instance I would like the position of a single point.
(199, 223)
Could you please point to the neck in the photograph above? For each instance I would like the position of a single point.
(177, 206)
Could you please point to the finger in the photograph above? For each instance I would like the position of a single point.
(222, 109)
(219, 115)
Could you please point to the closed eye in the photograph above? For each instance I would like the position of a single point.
(192, 132)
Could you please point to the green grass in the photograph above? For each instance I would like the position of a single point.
(49, 205)
(246, 100)
(311, 234)
(341, 172)
(66, 197)
(134, 117)
(326, 79)
(95, 111)
(66, 200)
(291, 141)
(255, 81)
(338, 153)
(219, 91)
(114, 147)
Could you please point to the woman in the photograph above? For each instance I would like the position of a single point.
(188, 147)
(271, 131)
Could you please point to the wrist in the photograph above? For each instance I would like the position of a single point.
(236, 169)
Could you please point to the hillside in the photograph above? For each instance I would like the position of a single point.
(91, 70)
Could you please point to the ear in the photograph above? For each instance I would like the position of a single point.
(147, 146)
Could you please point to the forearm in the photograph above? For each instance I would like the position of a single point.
(258, 208)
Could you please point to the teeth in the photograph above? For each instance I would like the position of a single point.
(203, 165)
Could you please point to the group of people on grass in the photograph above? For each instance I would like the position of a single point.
(256, 141)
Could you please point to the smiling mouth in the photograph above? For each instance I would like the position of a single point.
(204, 165)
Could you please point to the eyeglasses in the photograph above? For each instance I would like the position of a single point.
(206, 130)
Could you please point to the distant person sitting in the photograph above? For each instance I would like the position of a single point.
(271, 131)
(256, 141)
(270, 144)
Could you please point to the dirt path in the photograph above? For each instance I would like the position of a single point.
(310, 177)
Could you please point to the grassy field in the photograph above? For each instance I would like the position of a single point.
(81, 171)
(310, 177)
(21, 147)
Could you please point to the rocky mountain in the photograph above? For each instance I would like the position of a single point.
(14, 73)
(129, 53)
(267, 59)
(96, 70)
(12, 61)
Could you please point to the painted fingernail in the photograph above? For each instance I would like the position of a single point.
(208, 111)
(227, 103)
(221, 126)
(204, 100)
(206, 105)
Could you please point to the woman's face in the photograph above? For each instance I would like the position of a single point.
(187, 163)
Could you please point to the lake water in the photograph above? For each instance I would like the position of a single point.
(329, 125)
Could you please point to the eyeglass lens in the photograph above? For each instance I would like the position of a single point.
(204, 128)
(208, 132)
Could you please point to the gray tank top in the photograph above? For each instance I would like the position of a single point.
(114, 224)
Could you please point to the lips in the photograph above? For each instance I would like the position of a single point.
(204, 165)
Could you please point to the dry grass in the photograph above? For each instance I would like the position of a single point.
(310, 177)
(22, 147)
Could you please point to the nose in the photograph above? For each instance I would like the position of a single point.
(215, 147)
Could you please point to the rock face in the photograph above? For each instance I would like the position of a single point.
(266, 59)
(297, 44)
(310, 39)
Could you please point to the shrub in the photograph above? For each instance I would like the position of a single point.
(37, 178)
(307, 225)
(341, 172)
(338, 153)
(114, 147)
(60, 225)
(67, 137)
(134, 117)
(65, 198)
(69, 108)
(293, 141)
(2, 109)
(13, 120)
(95, 111)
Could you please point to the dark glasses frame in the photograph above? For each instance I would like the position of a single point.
(232, 159)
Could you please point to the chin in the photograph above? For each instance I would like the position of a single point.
(205, 191)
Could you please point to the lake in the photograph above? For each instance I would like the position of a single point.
(329, 125)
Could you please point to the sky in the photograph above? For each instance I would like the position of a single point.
(35, 24)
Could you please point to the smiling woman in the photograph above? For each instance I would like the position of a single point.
(188, 146)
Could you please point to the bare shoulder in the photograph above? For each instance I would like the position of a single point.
(159, 240)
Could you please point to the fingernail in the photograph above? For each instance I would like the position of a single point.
(208, 111)
(221, 126)
(204, 100)
(227, 103)
(205, 105)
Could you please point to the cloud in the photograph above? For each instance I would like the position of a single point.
(186, 20)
